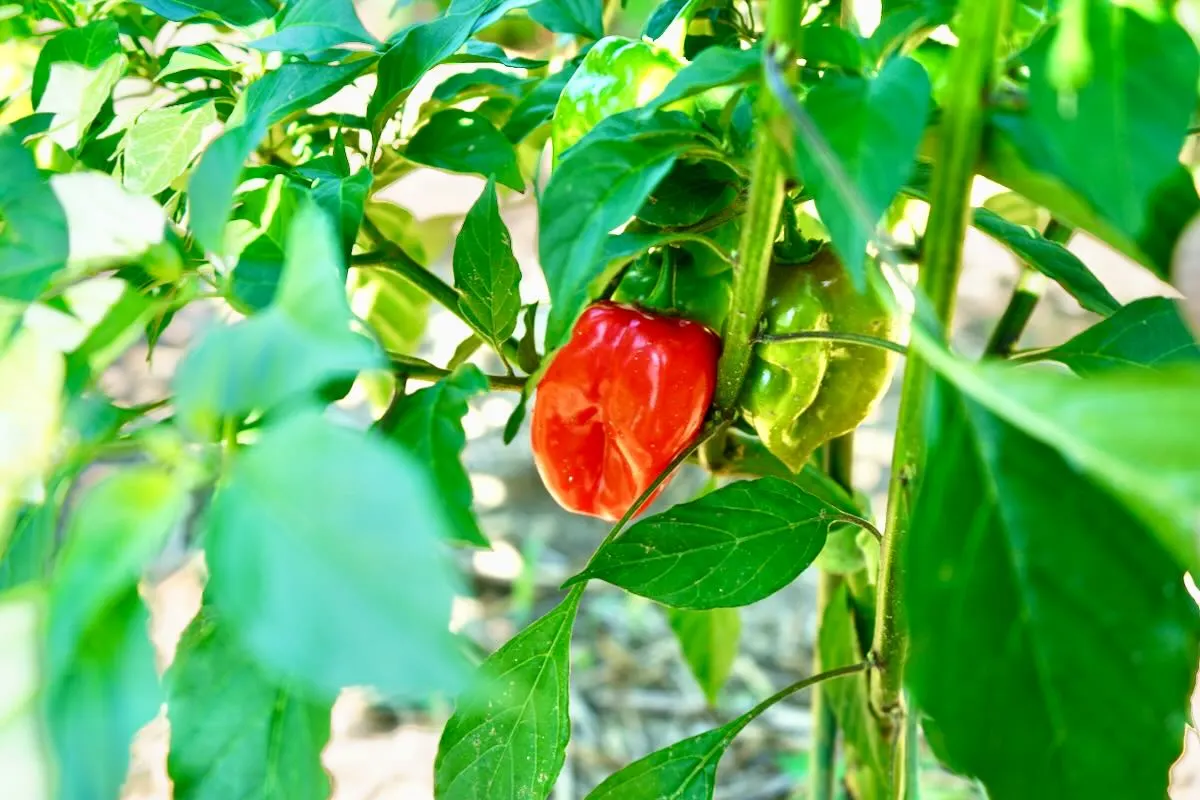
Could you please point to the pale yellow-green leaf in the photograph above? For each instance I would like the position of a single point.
(22, 752)
(31, 372)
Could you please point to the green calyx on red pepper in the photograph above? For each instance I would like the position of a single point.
(687, 280)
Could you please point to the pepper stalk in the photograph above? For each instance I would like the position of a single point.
(975, 62)
(752, 261)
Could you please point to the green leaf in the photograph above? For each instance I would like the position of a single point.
(33, 241)
(393, 306)
(709, 641)
(29, 771)
(1136, 433)
(663, 15)
(603, 180)
(302, 341)
(161, 143)
(715, 66)
(120, 328)
(75, 74)
(102, 684)
(313, 26)
(235, 730)
(537, 106)
(835, 46)
(1017, 158)
(687, 770)
(486, 272)
(849, 698)
(325, 548)
(1149, 333)
(693, 192)
(1009, 543)
(202, 60)
(235, 12)
(477, 82)
(508, 735)
(1138, 102)
(463, 141)
(621, 248)
(1051, 259)
(871, 129)
(344, 200)
(733, 547)
(428, 424)
(416, 50)
(29, 551)
(579, 17)
(292, 87)
(109, 226)
(31, 370)
(477, 52)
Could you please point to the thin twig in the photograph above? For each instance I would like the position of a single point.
(832, 336)
(859, 522)
(396, 260)
(423, 370)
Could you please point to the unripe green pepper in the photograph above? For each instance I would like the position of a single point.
(801, 394)
(784, 377)
(616, 75)
(686, 280)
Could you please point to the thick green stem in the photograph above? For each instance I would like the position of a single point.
(753, 262)
(974, 68)
(759, 228)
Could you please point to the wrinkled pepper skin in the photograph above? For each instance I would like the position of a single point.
(623, 397)
(799, 395)
(784, 377)
(616, 75)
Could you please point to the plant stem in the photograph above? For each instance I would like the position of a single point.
(974, 66)
(396, 260)
(832, 336)
(823, 754)
(750, 272)
(764, 207)
(839, 461)
(1029, 289)
(422, 370)
(791, 689)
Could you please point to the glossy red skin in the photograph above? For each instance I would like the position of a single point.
(621, 399)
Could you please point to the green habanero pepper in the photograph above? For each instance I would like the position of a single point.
(685, 280)
(801, 394)
(616, 75)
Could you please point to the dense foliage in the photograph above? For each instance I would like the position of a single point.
(794, 175)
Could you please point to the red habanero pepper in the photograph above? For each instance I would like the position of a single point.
(621, 399)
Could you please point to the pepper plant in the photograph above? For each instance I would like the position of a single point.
(789, 178)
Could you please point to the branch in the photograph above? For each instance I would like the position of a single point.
(1025, 297)
(423, 370)
(396, 260)
(974, 67)
(798, 686)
